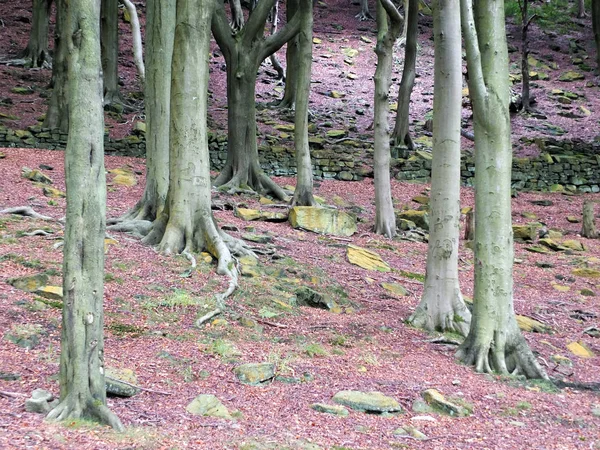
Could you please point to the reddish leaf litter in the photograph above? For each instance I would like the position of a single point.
(367, 346)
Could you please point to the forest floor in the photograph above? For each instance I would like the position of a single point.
(152, 302)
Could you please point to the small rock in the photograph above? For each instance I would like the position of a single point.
(395, 288)
(38, 403)
(573, 245)
(29, 283)
(50, 292)
(587, 292)
(407, 430)
(208, 405)
(115, 385)
(330, 409)
(35, 175)
(306, 296)
(435, 399)
(586, 272)
(372, 402)
(596, 411)
(573, 219)
(580, 349)
(258, 238)
(255, 374)
(420, 218)
(542, 202)
(51, 192)
(322, 220)
(366, 259)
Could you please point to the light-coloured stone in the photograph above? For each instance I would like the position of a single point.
(366, 259)
(435, 399)
(367, 401)
(322, 220)
(580, 349)
(255, 373)
(208, 405)
(50, 292)
(337, 410)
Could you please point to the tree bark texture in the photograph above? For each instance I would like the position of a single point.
(525, 97)
(136, 33)
(303, 195)
(494, 343)
(401, 134)
(588, 227)
(596, 27)
(37, 48)
(82, 384)
(291, 61)
(364, 13)
(385, 219)
(109, 41)
(580, 9)
(442, 307)
(57, 115)
(160, 31)
(243, 54)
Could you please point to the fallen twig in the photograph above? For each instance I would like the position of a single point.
(271, 324)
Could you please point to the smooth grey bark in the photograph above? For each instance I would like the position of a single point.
(57, 115)
(596, 28)
(588, 226)
(36, 52)
(237, 15)
(364, 13)
(274, 27)
(494, 342)
(187, 224)
(303, 195)
(385, 219)
(526, 21)
(581, 9)
(401, 133)
(160, 31)
(109, 41)
(442, 307)
(136, 33)
(82, 384)
(243, 54)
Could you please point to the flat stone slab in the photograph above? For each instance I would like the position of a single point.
(322, 220)
(255, 373)
(370, 402)
(337, 410)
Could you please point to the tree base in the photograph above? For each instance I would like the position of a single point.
(252, 179)
(73, 408)
(454, 321)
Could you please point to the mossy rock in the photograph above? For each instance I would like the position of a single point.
(370, 402)
(570, 76)
(322, 220)
(395, 288)
(336, 410)
(438, 402)
(420, 218)
(586, 272)
(306, 296)
(51, 192)
(573, 245)
(526, 232)
(208, 405)
(531, 325)
(580, 349)
(118, 382)
(366, 259)
(255, 374)
(35, 175)
(29, 283)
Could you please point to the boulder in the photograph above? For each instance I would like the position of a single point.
(50, 292)
(322, 220)
(40, 402)
(526, 232)
(370, 402)
(255, 374)
(366, 259)
(573, 245)
(29, 283)
(35, 175)
(420, 218)
(208, 405)
(395, 288)
(330, 409)
(116, 380)
(306, 296)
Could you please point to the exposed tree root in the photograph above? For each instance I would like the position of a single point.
(364, 15)
(253, 179)
(456, 320)
(504, 352)
(137, 228)
(26, 211)
(41, 59)
(385, 229)
(71, 407)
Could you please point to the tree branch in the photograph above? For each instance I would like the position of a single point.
(255, 26)
(276, 41)
(477, 87)
(222, 30)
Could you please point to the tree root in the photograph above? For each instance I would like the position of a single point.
(507, 353)
(26, 211)
(442, 322)
(71, 408)
(364, 15)
(257, 182)
(137, 228)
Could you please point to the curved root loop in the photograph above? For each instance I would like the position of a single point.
(137, 228)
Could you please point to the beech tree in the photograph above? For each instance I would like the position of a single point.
(596, 29)
(303, 195)
(186, 224)
(109, 41)
(292, 60)
(387, 33)
(244, 51)
(494, 342)
(82, 384)
(401, 133)
(57, 115)
(442, 307)
(36, 53)
(160, 28)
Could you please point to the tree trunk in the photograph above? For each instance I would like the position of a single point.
(303, 195)
(237, 15)
(82, 385)
(273, 58)
(494, 343)
(57, 116)
(580, 9)
(243, 53)
(588, 228)
(160, 24)
(470, 225)
(37, 47)
(401, 134)
(442, 307)
(291, 61)
(596, 27)
(187, 223)
(525, 97)
(109, 41)
(385, 219)
(136, 34)
(364, 13)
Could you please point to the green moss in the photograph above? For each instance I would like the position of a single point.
(124, 329)
(315, 350)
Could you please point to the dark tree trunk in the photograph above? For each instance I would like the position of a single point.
(291, 61)
(109, 40)
(596, 27)
(82, 384)
(401, 134)
(37, 47)
(57, 116)
(525, 96)
(588, 227)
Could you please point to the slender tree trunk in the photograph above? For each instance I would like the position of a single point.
(303, 195)
(525, 97)
(588, 228)
(291, 61)
(470, 226)
(442, 307)
(187, 224)
(109, 28)
(37, 47)
(273, 58)
(596, 27)
(82, 385)
(136, 33)
(385, 219)
(580, 9)
(243, 53)
(364, 13)
(57, 115)
(160, 27)
(494, 343)
(237, 15)
(401, 134)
